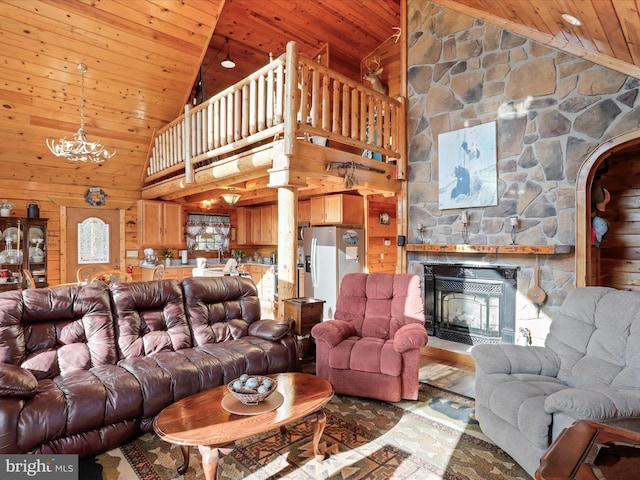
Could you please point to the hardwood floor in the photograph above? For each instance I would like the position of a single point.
(451, 374)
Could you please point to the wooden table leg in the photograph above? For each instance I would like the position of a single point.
(320, 419)
(185, 459)
(210, 457)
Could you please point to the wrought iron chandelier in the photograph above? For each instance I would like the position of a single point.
(80, 149)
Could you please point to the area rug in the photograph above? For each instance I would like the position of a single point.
(436, 437)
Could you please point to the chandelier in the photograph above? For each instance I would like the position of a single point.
(80, 149)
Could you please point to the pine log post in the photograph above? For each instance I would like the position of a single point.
(287, 181)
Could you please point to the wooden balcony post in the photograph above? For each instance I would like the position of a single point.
(287, 246)
(188, 167)
(290, 117)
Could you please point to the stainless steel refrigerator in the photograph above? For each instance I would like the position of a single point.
(329, 254)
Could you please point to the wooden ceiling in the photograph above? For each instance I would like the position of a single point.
(144, 57)
(609, 34)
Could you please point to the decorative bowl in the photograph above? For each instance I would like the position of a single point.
(247, 389)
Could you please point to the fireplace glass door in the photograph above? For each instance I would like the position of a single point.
(470, 303)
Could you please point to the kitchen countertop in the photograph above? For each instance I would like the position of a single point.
(215, 265)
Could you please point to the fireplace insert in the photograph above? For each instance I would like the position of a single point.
(470, 303)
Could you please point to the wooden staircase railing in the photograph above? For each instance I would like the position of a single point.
(326, 104)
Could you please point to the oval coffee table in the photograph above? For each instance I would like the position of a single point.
(201, 420)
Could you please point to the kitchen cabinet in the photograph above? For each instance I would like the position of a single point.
(160, 224)
(176, 273)
(258, 225)
(244, 216)
(304, 211)
(264, 278)
(23, 245)
(339, 209)
(265, 225)
(256, 275)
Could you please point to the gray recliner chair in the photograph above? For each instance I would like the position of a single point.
(589, 368)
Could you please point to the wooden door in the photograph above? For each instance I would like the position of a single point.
(265, 225)
(333, 209)
(244, 226)
(75, 216)
(173, 225)
(150, 223)
(256, 226)
(316, 214)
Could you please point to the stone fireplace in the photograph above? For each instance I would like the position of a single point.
(470, 303)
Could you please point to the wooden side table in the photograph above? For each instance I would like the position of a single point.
(305, 313)
(591, 451)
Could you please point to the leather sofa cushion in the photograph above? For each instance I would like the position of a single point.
(78, 402)
(150, 317)
(212, 305)
(17, 381)
(58, 330)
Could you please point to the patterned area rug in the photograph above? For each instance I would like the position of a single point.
(436, 437)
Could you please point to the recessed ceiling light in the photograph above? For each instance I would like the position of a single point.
(570, 19)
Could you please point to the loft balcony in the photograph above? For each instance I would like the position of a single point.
(293, 123)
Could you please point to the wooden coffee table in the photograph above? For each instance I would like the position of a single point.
(201, 420)
(590, 451)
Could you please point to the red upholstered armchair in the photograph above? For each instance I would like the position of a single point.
(372, 346)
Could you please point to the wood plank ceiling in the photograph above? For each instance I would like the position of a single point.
(144, 57)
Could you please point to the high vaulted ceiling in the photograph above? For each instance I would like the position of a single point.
(144, 56)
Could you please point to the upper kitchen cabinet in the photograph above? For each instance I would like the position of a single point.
(304, 211)
(160, 224)
(337, 209)
(244, 216)
(258, 225)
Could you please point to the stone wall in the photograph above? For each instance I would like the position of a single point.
(551, 110)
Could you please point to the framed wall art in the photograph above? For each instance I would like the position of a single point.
(468, 168)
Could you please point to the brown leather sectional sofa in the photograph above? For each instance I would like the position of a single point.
(84, 369)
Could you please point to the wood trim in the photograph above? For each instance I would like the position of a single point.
(63, 235)
(514, 249)
(448, 355)
(584, 180)
(79, 202)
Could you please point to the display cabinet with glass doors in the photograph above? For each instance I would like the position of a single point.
(23, 246)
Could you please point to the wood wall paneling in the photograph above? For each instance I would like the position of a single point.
(381, 257)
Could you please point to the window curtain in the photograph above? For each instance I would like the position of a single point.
(197, 223)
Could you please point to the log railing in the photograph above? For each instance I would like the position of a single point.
(326, 104)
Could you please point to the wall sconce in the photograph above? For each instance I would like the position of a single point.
(420, 229)
(513, 221)
(464, 219)
(207, 204)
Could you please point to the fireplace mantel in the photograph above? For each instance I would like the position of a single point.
(513, 249)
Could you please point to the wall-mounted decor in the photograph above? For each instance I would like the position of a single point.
(384, 218)
(468, 167)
